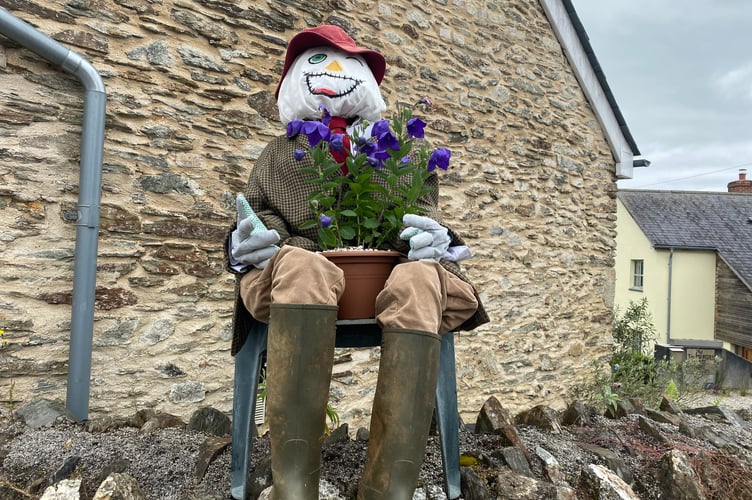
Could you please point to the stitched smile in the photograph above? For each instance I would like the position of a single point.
(330, 85)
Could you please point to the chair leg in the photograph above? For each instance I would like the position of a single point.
(247, 368)
(448, 417)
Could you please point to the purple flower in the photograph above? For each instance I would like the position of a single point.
(388, 140)
(379, 128)
(375, 161)
(439, 158)
(293, 128)
(336, 142)
(364, 146)
(325, 221)
(316, 132)
(415, 128)
(299, 154)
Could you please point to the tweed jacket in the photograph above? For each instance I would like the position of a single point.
(278, 192)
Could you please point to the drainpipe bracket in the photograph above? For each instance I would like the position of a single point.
(87, 216)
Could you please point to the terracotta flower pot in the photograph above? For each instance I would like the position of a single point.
(366, 272)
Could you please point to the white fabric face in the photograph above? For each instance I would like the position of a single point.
(326, 75)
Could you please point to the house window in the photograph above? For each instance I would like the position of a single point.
(637, 274)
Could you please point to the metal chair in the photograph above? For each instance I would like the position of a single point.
(350, 333)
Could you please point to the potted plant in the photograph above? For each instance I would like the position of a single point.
(384, 178)
(357, 206)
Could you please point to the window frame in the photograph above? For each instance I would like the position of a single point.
(637, 278)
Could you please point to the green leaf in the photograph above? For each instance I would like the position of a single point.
(370, 223)
(326, 235)
(347, 231)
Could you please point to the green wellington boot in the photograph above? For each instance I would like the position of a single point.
(401, 418)
(300, 355)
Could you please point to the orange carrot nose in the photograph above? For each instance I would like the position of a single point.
(334, 66)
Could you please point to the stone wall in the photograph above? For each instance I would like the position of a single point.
(190, 105)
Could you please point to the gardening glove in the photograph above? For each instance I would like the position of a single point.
(252, 244)
(428, 239)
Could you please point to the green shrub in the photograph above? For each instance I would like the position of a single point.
(634, 331)
(634, 372)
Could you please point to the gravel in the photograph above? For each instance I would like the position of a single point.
(163, 461)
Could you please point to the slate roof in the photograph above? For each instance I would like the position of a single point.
(696, 220)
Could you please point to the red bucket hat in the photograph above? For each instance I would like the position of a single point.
(332, 36)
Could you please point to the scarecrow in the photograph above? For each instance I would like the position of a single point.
(285, 282)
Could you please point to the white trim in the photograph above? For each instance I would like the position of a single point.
(573, 49)
(260, 414)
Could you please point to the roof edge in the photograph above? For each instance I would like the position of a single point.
(599, 74)
(576, 47)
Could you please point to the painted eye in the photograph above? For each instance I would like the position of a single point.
(357, 60)
(317, 58)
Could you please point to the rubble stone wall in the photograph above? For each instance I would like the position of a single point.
(190, 105)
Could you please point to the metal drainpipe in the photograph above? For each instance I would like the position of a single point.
(89, 195)
(670, 277)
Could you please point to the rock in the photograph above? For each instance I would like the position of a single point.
(209, 450)
(677, 478)
(119, 487)
(624, 407)
(494, 419)
(650, 428)
(516, 460)
(663, 417)
(550, 465)
(141, 417)
(540, 416)
(613, 461)
(732, 417)
(718, 413)
(105, 423)
(435, 492)
(66, 469)
(599, 482)
(42, 412)
(513, 485)
(362, 434)
(670, 406)
(338, 435)
(702, 432)
(118, 464)
(210, 421)
(576, 414)
(260, 478)
(67, 489)
(473, 487)
(686, 428)
(162, 421)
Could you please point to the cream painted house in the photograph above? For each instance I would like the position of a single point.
(688, 254)
(679, 283)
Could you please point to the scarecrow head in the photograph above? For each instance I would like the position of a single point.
(324, 66)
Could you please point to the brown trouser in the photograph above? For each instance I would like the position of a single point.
(418, 295)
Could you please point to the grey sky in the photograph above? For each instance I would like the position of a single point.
(681, 73)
